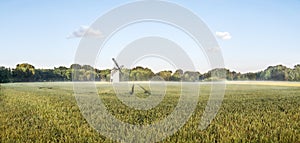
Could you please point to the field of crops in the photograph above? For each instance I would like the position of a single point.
(250, 112)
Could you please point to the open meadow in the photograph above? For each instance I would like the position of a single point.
(250, 112)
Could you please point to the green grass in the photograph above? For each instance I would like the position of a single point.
(48, 112)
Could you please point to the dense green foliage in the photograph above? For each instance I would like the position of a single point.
(47, 112)
(27, 73)
(5, 75)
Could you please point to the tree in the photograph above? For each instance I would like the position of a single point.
(47, 75)
(141, 74)
(62, 73)
(297, 72)
(75, 66)
(215, 74)
(125, 74)
(291, 74)
(24, 72)
(191, 76)
(104, 74)
(278, 73)
(177, 75)
(166, 75)
(87, 68)
(5, 75)
(249, 76)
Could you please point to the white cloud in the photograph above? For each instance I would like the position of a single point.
(223, 35)
(85, 31)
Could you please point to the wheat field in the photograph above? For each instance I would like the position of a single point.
(250, 112)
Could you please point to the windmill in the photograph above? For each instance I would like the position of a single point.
(116, 72)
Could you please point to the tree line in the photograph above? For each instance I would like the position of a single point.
(28, 73)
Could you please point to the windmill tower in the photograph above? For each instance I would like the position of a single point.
(116, 72)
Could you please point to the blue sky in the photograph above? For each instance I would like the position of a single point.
(263, 33)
